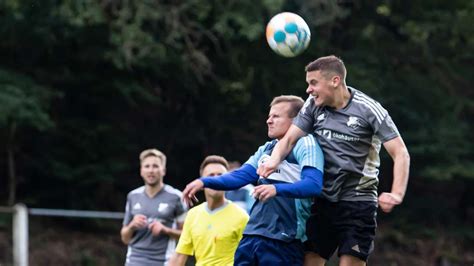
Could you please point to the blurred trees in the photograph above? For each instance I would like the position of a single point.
(88, 84)
(23, 105)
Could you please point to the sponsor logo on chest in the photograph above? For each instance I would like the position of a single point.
(162, 207)
(353, 122)
(329, 135)
(321, 117)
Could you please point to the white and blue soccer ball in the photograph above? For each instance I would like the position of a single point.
(288, 34)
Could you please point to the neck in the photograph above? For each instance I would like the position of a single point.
(214, 203)
(342, 97)
(152, 190)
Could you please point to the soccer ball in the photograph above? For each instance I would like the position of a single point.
(288, 34)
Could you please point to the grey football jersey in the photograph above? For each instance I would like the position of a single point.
(166, 206)
(351, 139)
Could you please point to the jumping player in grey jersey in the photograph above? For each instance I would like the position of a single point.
(154, 215)
(350, 127)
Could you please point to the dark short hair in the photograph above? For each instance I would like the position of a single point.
(328, 64)
(296, 103)
(213, 159)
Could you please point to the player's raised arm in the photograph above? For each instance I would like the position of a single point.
(281, 150)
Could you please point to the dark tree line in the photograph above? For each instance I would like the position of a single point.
(86, 85)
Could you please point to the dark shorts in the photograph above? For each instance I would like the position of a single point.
(348, 226)
(259, 250)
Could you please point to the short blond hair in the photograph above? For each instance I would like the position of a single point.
(153, 152)
(296, 103)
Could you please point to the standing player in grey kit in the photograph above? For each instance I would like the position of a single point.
(350, 127)
(154, 215)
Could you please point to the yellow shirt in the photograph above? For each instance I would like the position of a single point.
(212, 236)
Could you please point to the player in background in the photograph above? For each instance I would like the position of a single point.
(154, 214)
(350, 127)
(276, 228)
(213, 229)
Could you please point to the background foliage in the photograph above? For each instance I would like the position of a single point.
(86, 85)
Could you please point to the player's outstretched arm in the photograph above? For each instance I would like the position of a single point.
(401, 166)
(247, 174)
(310, 185)
(189, 193)
(281, 150)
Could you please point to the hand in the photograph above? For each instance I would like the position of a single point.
(189, 193)
(389, 200)
(267, 167)
(156, 227)
(138, 222)
(264, 192)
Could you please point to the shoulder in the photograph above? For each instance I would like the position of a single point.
(173, 192)
(263, 148)
(308, 105)
(267, 144)
(196, 210)
(237, 211)
(368, 105)
(307, 148)
(137, 191)
(306, 141)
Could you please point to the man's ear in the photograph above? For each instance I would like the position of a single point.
(336, 80)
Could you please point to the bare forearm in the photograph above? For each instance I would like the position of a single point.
(282, 148)
(284, 145)
(178, 259)
(173, 232)
(401, 169)
(280, 151)
(126, 233)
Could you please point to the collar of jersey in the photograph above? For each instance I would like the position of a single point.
(216, 209)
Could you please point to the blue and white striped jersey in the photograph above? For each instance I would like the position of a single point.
(284, 218)
(297, 179)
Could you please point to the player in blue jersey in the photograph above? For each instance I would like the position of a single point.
(276, 228)
(350, 127)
